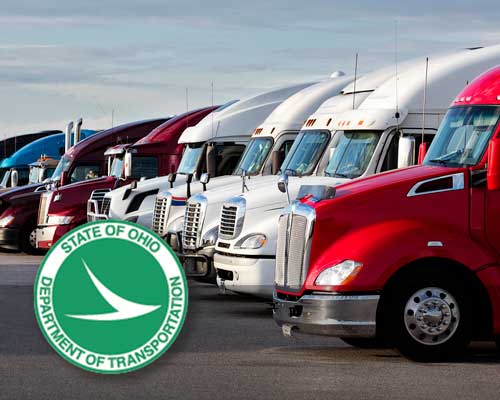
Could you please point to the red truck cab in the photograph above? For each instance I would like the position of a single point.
(154, 153)
(412, 256)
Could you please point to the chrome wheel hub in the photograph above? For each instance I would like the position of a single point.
(431, 316)
(32, 238)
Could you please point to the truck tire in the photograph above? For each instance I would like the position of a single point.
(27, 240)
(429, 315)
(366, 343)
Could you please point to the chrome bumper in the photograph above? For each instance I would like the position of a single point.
(328, 314)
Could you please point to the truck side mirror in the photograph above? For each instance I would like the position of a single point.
(171, 179)
(204, 179)
(493, 174)
(211, 160)
(14, 178)
(422, 152)
(127, 169)
(277, 158)
(283, 185)
(406, 151)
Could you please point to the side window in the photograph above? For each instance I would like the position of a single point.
(144, 167)
(286, 146)
(391, 157)
(227, 158)
(83, 172)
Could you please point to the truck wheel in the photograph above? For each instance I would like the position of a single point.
(28, 240)
(365, 343)
(430, 316)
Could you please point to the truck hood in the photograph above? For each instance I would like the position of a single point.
(12, 193)
(73, 197)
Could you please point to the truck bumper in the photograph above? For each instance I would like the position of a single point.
(47, 236)
(245, 275)
(328, 314)
(199, 265)
(9, 238)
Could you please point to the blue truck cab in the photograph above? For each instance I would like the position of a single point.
(51, 147)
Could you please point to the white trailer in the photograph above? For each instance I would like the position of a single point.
(382, 134)
(215, 143)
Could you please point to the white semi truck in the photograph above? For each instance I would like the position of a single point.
(382, 134)
(215, 145)
(270, 143)
(201, 220)
(267, 148)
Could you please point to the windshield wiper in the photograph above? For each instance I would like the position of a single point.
(340, 175)
(446, 157)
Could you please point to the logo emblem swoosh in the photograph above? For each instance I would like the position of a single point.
(125, 309)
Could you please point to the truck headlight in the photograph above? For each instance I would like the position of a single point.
(6, 221)
(210, 237)
(176, 226)
(338, 274)
(254, 241)
(59, 219)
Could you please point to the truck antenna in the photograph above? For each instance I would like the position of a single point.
(396, 62)
(355, 78)
(187, 99)
(212, 85)
(112, 118)
(424, 105)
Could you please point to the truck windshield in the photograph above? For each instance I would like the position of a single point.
(463, 136)
(35, 174)
(190, 159)
(254, 156)
(352, 152)
(117, 167)
(63, 166)
(305, 152)
(5, 174)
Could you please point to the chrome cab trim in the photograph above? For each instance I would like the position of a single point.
(458, 183)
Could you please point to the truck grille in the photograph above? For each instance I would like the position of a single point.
(292, 251)
(193, 222)
(106, 203)
(231, 218)
(160, 213)
(98, 205)
(43, 208)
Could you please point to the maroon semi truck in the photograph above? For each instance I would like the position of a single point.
(19, 206)
(156, 154)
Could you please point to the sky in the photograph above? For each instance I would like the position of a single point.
(116, 61)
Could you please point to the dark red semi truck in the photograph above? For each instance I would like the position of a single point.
(19, 206)
(411, 256)
(156, 154)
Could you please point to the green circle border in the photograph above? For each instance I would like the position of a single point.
(183, 317)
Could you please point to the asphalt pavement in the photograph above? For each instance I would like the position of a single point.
(229, 348)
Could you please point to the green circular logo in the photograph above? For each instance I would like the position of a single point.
(110, 297)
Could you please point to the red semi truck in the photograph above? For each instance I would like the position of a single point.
(19, 206)
(410, 256)
(156, 154)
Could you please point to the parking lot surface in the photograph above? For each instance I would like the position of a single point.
(229, 348)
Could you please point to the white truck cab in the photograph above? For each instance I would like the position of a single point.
(200, 224)
(383, 133)
(214, 144)
(268, 146)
